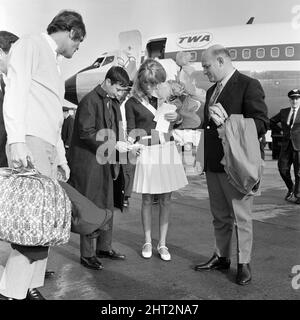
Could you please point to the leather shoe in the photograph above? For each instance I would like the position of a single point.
(34, 294)
(49, 274)
(297, 201)
(112, 254)
(91, 263)
(289, 195)
(215, 263)
(243, 276)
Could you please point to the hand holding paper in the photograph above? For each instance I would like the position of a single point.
(163, 124)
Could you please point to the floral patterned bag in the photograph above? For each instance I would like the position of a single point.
(34, 209)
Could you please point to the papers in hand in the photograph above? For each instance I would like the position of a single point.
(124, 146)
(163, 124)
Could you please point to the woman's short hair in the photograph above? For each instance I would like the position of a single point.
(118, 75)
(67, 21)
(150, 72)
(6, 40)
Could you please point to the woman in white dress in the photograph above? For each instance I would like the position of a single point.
(159, 168)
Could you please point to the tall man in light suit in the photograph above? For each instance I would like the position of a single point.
(33, 119)
(237, 94)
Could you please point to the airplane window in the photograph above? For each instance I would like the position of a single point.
(246, 53)
(97, 63)
(275, 52)
(289, 51)
(108, 60)
(193, 56)
(233, 54)
(260, 53)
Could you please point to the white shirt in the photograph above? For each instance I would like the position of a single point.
(34, 93)
(53, 45)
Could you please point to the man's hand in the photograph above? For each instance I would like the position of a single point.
(20, 155)
(217, 114)
(65, 170)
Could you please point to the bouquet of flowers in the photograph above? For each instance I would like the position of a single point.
(175, 92)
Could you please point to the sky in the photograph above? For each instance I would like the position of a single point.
(104, 19)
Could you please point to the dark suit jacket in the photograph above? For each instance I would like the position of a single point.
(67, 130)
(88, 176)
(293, 134)
(241, 95)
(3, 136)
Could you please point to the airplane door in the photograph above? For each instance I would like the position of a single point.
(156, 48)
(130, 43)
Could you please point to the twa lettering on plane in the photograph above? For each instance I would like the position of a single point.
(194, 40)
(267, 52)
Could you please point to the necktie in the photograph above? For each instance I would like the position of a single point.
(216, 94)
(292, 118)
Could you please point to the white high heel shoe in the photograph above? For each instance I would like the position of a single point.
(164, 253)
(147, 250)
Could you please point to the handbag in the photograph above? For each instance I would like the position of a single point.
(34, 209)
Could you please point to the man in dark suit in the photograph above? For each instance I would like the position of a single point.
(236, 93)
(67, 129)
(289, 119)
(95, 172)
(6, 40)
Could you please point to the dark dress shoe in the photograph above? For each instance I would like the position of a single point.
(289, 196)
(215, 263)
(112, 254)
(34, 294)
(243, 276)
(297, 201)
(49, 274)
(91, 263)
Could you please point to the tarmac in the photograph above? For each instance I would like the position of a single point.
(275, 260)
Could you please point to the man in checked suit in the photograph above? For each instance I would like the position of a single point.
(236, 93)
(289, 119)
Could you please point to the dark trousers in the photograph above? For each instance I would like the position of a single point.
(128, 171)
(103, 241)
(288, 157)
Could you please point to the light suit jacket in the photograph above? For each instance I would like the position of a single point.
(34, 94)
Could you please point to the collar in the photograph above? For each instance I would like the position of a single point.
(53, 46)
(296, 109)
(226, 79)
(101, 91)
(3, 76)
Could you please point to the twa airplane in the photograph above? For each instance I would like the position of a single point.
(267, 52)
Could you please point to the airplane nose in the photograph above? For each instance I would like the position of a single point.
(70, 90)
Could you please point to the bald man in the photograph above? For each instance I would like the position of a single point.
(235, 93)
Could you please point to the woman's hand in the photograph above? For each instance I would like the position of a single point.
(172, 116)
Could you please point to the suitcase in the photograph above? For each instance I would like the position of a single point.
(34, 209)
